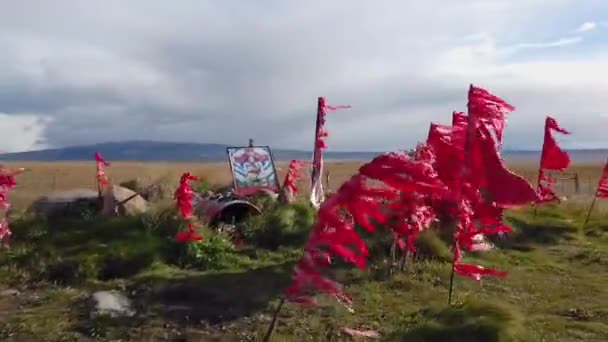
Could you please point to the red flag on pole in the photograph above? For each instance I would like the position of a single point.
(552, 158)
(602, 187)
(317, 194)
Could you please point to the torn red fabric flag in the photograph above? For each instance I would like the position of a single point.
(290, 186)
(101, 175)
(7, 183)
(602, 187)
(483, 169)
(505, 188)
(183, 197)
(316, 185)
(552, 158)
(334, 235)
(489, 110)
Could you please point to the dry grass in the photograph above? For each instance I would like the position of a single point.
(554, 292)
(45, 177)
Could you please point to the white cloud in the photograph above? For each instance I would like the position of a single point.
(222, 71)
(556, 43)
(587, 26)
(21, 133)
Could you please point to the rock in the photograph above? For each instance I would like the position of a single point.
(129, 202)
(111, 303)
(65, 203)
(77, 202)
(9, 293)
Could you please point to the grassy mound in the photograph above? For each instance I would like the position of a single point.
(471, 322)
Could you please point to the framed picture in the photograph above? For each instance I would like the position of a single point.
(252, 169)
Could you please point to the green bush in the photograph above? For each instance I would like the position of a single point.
(280, 225)
(430, 246)
(215, 252)
(471, 322)
(124, 259)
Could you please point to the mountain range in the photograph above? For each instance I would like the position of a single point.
(183, 152)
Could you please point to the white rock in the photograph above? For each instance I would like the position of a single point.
(111, 303)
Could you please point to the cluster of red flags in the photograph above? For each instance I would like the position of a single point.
(459, 171)
(183, 197)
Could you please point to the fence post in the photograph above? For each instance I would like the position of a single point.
(576, 184)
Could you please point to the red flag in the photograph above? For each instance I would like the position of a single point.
(489, 110)
(101, 175)
(553, 158)
(506, 188)
(316, 186)
(487, 115)
(290, 186)
(459, 119)
(602, 187)
(183, 198)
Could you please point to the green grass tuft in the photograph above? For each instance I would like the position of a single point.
(280, 226)
(430, 246)
(471, 322)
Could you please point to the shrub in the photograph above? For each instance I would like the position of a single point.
(430, 246)
(215, 252)
(124, 259)
(280, 225)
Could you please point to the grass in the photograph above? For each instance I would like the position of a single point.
(215, 291)
(45, 177)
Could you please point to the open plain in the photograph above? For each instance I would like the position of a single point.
(216, 291)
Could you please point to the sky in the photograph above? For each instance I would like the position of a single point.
(85, 72)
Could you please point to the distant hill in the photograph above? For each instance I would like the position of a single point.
(182, 152)
(162, 151)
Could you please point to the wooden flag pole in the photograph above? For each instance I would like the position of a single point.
(589, 212)
(317, 154)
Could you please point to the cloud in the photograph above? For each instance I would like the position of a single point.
(587, 26)
(21, 132)
(224, 71)
(556, 43)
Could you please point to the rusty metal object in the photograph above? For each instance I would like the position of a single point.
(224, 209)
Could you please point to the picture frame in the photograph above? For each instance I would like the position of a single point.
(252, 169)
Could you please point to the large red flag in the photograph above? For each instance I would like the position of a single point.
(552, 158)
(486, 122)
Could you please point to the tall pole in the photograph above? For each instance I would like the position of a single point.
(540, 168)
(317, 156)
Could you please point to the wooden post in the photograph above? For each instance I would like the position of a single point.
(99, 195)
(589, 213)
(273, 323)
(576, 184)
(316, 172)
